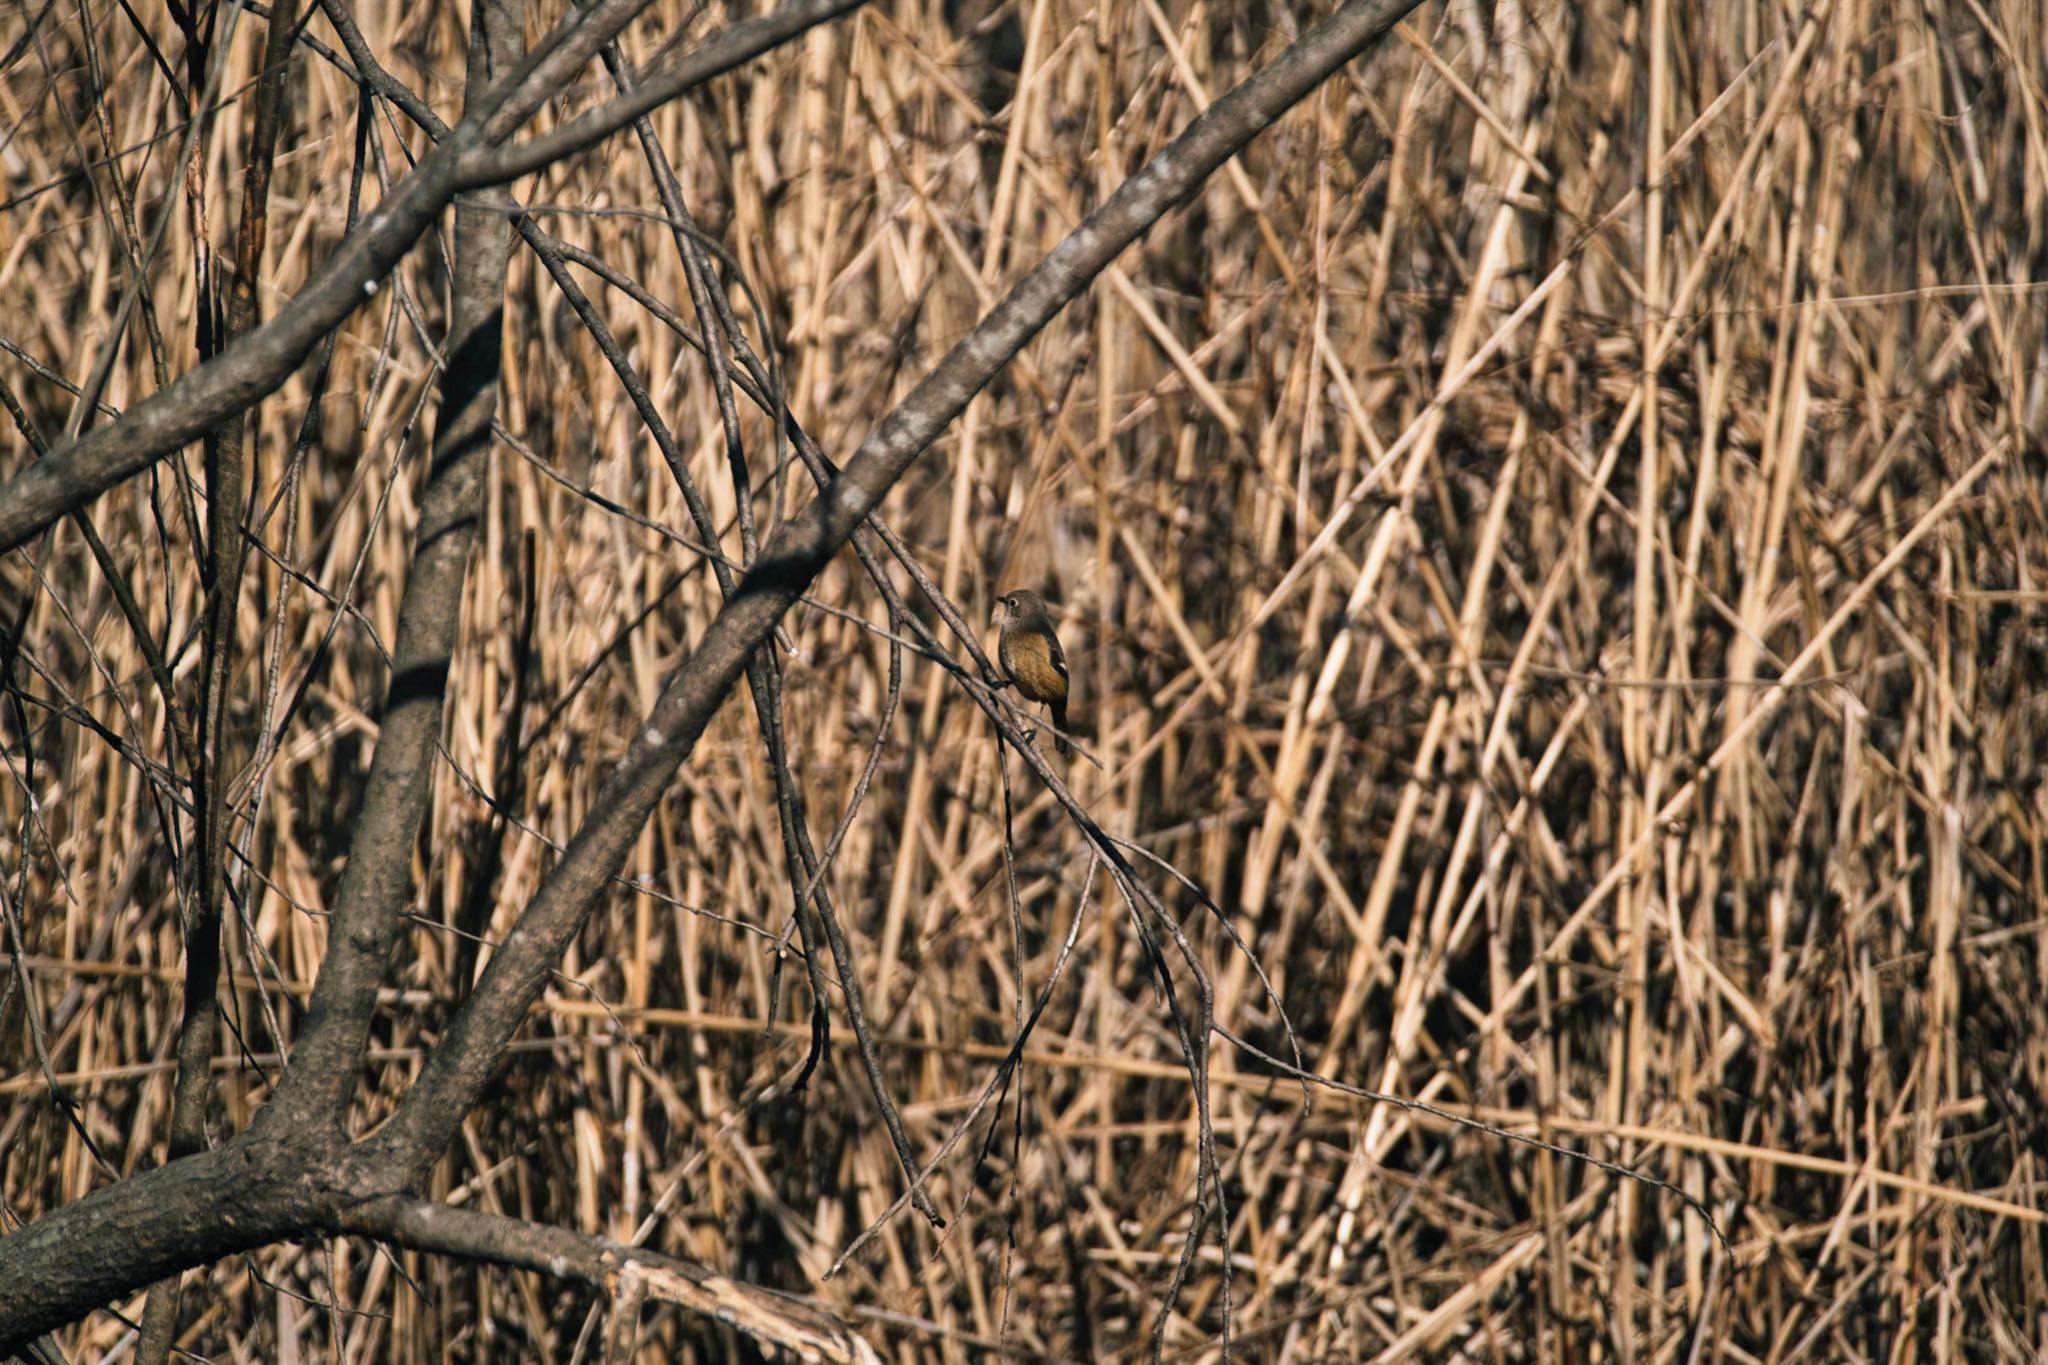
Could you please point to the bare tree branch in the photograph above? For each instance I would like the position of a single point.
(227, 497)
(377, 880)
(614, 1269)
(457, 1071)
(257, 364)
(244, 1194)
(283, 1179)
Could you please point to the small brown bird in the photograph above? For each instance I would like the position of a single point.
(1031, 657)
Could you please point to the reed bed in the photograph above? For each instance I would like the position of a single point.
(1552, 542)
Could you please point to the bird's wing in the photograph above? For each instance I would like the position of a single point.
(1059, 656)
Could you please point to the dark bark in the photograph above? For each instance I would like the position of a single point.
(376, 884)
(256, 365)
(252, 1192)
(227, 547)
(285, 1179)
(193, 1211)
(457, 1071)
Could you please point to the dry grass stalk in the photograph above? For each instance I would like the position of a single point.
(1443, 507)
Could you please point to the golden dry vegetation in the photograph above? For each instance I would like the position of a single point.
(1551, 541)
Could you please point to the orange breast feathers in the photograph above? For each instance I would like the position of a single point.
(1029, 661)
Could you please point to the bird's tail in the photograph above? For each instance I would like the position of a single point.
(1059, 723)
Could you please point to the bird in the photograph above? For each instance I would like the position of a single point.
(1032, 659)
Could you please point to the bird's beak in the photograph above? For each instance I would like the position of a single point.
(1002, 609)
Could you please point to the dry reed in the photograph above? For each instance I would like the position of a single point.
(1551, 540)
